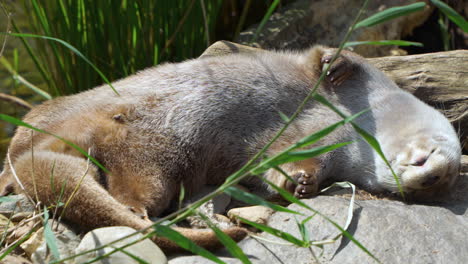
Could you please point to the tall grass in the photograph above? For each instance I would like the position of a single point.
(119, 37)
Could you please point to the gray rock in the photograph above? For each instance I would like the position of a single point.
(66, 241)
(394, 232)
(14, 259)
(258, 213)
(213, 209)
(307, 22)
(18, 203)
(145, 249)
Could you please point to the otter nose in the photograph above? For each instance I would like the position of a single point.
(421, 158)
(419, 161)
(430, 181)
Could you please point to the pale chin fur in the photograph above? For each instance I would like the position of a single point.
(427, 161)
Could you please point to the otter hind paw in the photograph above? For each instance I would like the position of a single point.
(340, 70)
(305, 185)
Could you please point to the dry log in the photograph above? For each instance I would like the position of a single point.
(439, 79)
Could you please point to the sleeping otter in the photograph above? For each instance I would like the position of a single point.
(196, 122)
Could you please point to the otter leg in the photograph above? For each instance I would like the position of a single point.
(304, 174)
(340, 70)
(90, 207)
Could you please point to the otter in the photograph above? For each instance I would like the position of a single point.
(195, 123)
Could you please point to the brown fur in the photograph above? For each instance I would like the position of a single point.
(195, 123)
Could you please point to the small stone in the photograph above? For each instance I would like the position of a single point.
(211, 209)
(145, 249)
(14, 259)
(17, 217)
(18, 203)
(66, 240)
(218, 204)
(36, 239)
(4, 221)
(258, 213)
(464, 163)
(222, 218)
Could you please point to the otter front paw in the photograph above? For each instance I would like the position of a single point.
(140, 212)
(340, 70)
(305, 185)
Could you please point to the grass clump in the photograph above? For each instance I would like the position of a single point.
(118, 37)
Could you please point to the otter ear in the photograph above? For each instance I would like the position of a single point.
(318, 57)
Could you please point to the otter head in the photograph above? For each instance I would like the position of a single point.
(421, 145)
(419, 142)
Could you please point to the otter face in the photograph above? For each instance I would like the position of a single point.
(423, 150)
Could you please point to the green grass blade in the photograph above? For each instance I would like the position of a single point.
(181, 195)
(254, 199)
(20, 79)
(389, 14)
(73, 49)
(308, 140)
(311, 139)
(18, 122)
(444, 32)
(289, 197)
(49, 236)
(296, 156)
(383, 42)
(185, 243)
(227, 241)
(376, 146)
(21, 241)
(452, 14)
(265, 18)
(367, 137)
(351, 202)
(284, 117)
(6, 199)
(350, 237)
(302, 227)
(39, 66)
(325, 102)
(303, 230)
(136, 258)
(277, 233)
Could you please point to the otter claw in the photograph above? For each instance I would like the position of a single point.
(326, 58)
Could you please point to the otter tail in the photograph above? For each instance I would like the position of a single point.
(204, 238)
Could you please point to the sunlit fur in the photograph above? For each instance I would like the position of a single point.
(196, 122)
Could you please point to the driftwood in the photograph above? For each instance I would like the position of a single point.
(439, 79)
